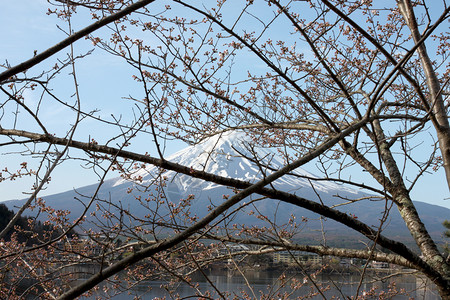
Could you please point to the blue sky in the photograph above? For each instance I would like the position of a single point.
(26, 27)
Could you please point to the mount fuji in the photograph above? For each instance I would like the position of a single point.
(231, 155)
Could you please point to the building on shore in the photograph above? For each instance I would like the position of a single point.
(295, 257)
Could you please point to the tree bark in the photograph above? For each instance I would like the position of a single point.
(436, 102)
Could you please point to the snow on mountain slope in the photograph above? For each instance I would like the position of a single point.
(228, 155)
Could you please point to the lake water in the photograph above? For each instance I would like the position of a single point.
(257, 283)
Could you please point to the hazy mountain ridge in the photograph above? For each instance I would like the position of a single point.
(221, 155)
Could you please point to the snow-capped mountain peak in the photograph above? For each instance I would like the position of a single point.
(229, 155)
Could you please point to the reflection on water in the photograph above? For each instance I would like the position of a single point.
(258, 283)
